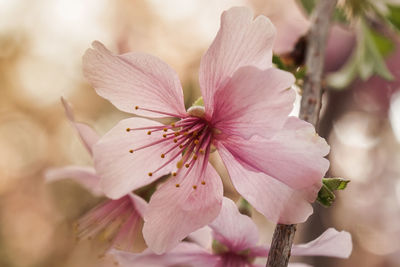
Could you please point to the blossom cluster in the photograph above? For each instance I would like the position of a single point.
(276, 162)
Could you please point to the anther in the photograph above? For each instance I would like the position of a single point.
(185, 133)
(131, 151)
(196, 141)
(137, 107)
(164, 135)
(177, 185)
(187, 165)
(162, 156)
(203, 182)
(128, 129)
(176, 133)
(174, 174)
(195, 187)
(149, 132)
(201, 151)
(150, 174)
(175, 140)
(179, 164)
(194, 157)
(173, 124)
(165, 129)
(180, 146)
(195, 133)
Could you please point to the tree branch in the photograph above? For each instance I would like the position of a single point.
(282, 239)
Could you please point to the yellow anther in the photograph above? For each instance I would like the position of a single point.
(174, 174)
(196, 141)
(195, 187)
(150, 174)
(187, 165)
(164, 135)
(137, 107)
(179, 164)
(173, 124)
(162, 155)
(175, 140)
(131, 151)
(195, 133)
(194, 157)
(203, 182)
(185, 133)
(201, 151)
(180, 146)
(177, 185)
(176, 133)
(149, 132)
(128, 129)
(165, 129)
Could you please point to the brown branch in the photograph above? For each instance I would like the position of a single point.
(282, 239)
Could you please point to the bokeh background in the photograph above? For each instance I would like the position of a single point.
(41, 45)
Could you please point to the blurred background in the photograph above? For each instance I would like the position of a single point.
(41, 46)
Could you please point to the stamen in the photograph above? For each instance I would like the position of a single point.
(128, 129)
(150, 174)
(164, 135)
(177, 185)
(162, 156)
(195, 187)
(203, 182)
(196, 141)
(165, 129)
(161, 112)
(174, 174)
(131, 151)
(187, 165)
(149, 132)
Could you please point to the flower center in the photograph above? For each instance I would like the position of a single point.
(189, 139)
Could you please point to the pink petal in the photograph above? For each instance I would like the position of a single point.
(113, 222)
(174, 212)
(331, 243)
(85, 176)
(88, 136)
(275, 200)
(254, 102)
(184, 254)
(241, 41)
(134, 79)
(122, 171)
(139, 203)
(233, 229)
(202, 237)
(293, 156)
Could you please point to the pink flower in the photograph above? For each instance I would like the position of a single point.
(275, 161)
(235, 244)
(114, 221)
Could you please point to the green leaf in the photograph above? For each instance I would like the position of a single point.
(326, 195)
(199, 102)
(374, 46)
(394, 16)
(278, 62)
(335, 183)
(340, 16)
(308, 5)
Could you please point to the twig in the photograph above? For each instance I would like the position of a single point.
(282, 239)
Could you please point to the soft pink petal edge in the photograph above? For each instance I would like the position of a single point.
(240, 41)
(330, 243)
(176, 211)
(134, 79)
(88, 136)
(84, 175)
(233, 229)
